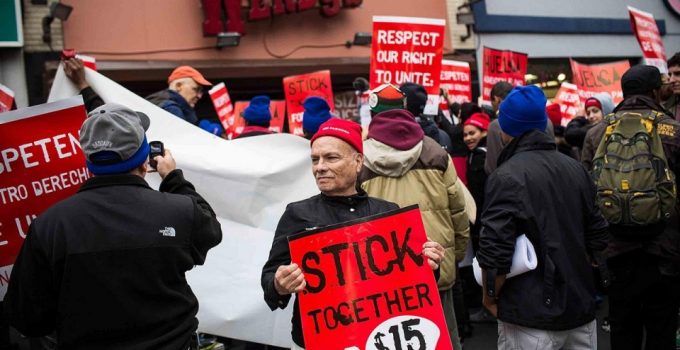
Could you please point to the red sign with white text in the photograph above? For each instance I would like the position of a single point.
(223, 106)
(569, 101)
(236, 128)
(6, 98)
(41, 163)
(298, 88)
(369, 286)
(595, 78)
(408, 49)
(502, 65)
(648, 36)
(456, 81)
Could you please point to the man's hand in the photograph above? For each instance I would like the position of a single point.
(165, 164)
(434, 252)
(75, 71)
(289, 279)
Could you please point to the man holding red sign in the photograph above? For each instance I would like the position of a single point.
(337, 157)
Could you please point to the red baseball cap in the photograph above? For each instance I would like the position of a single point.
(480, 120)
(188, 72)
(343, 129)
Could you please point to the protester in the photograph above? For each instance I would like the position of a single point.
(553, 306)
(673, 103)
(337, 156)
(185, 88)
(106, 267)
(493, 139)
(416, 98)
(257, 116)
(316, 113)
(75, 71)
(475, 139)
(596, 108)
(643, 259)
(555, 117)
(404, 166)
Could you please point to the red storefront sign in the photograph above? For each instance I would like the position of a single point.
(298, 87)
(596, 78)
(569, 101)
(6, 98)
(41, 163)
(368, 286)
(216, 21)
(502, 65)
(408, 49)
(456, 81)
(649, 38)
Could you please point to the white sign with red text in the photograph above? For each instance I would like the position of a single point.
(647, 33)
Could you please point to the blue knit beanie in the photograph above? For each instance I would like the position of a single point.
(522, 110)
(317, 111)
(257, 111)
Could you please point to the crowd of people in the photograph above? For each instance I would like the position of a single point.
(596, 198)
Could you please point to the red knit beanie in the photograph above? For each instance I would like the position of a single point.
(593, 102)
(480, 120)
(343, 129)
(396, 128)
(554, 112)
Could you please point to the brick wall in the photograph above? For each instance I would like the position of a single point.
(458, 30)
(33, 15)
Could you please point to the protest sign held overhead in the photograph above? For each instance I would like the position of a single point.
(570, 103)
(408, 49)
(298, 87)
(41, 163)
(502, 65)
(456, 82)
(369, 286)
(6, 98)
(647, 33)
(595, 78)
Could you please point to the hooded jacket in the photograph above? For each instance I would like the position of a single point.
(560, 293)
(422, 175)
(174, 103)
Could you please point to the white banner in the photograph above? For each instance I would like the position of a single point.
(248, 182)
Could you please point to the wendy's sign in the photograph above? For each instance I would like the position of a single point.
(233, 21)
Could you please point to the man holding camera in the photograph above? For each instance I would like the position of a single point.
(105, 268)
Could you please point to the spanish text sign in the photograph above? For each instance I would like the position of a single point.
(592, 79)
(502, 65)
(298, 88)
(456, 80)
(368, 286)
(648, 36)
(408, 49)
(41, 163)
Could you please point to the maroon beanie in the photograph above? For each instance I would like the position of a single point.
(396, 128)
(343, 129)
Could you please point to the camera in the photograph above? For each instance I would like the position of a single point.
(157, 149)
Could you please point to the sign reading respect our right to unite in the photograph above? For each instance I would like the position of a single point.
(41, 163)
(368, 285)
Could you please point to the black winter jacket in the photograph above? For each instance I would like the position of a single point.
(314, 212)
(476, 177)
(106, 267)
(548, 196)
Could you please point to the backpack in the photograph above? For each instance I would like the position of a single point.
(635, 187)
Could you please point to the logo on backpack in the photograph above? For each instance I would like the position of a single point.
(635, 187)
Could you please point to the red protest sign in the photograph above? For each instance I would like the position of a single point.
(648, 36)
(236, 127)
(368, 286)
(278, 111)
(502, 65)
(593, 79)
(456, 81)
(41, 163)
(6, 98)
(222, 103)
(408, 49)
(88, 61)
(569, 101)
(298, 87)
